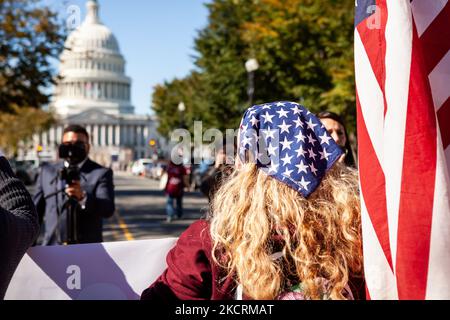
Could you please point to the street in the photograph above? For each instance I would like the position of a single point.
(140, 210)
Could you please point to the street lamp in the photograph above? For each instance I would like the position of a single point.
(251, 66)
(182, 109)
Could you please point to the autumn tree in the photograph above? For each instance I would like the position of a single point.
(30, 36)
(18, 126)
(304, 49)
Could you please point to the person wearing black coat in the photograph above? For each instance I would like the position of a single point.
(19, 225)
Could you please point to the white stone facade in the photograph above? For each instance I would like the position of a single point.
(94, 91)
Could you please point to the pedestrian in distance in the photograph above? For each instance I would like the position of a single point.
(177, 182)
(212, 179)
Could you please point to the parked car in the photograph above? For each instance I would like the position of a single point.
(138, 168)
(148, 170)
(26, 170)
(158, 170)
(155, 170)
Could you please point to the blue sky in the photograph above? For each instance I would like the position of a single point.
(156, 38)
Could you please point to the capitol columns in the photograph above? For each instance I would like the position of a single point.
(59, 133)
(110, 134)
(95, 133)
(140, 135)
(146, 137)
(103, 135)
(52, 136)
(117, 128)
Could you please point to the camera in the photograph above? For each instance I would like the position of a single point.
(70, 174)
(73, 154)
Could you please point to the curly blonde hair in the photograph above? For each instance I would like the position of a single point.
(321, 237)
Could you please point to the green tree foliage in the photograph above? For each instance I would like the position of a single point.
(18, 126)
(167, 96)
(304, 49)
(30, 36)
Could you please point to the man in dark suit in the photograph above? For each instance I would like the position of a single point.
(94, 194)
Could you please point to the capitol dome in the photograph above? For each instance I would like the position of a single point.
(92, 70)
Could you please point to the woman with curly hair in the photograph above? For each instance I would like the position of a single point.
(285, 224)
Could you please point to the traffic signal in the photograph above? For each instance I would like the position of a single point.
(39, 148)
(152, 142)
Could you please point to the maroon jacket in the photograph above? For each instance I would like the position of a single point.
(191, 273)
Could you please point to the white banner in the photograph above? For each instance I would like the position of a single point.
(107, 271)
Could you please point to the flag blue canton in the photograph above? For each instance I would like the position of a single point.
(363, 10)
(289, 143)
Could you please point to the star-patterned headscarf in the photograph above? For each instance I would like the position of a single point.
(288, 143)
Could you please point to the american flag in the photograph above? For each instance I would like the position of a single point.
(402, 62)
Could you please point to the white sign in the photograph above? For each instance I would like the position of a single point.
(107, 271)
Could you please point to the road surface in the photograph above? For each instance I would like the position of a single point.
(140, 211)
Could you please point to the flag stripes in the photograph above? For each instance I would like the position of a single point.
(403, 87)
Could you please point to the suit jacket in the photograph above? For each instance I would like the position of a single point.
(96, 181)
(19, 225)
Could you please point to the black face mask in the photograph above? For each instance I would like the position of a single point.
(73, 153)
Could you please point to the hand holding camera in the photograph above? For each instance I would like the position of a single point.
(73, 153)
(74, 190)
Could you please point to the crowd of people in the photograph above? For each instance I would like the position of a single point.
(284, 220)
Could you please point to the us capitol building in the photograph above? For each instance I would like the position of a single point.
(94, 91)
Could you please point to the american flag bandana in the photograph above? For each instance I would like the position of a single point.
(288, 143)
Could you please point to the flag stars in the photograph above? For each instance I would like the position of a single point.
(282, 113)
(254, 121)
(301, 152)
(312, 154)
(302, 167)
(244, 127)
(311, 139)
(286, 160)
(295, 146)
(273, 168)
(284, 127)
(298, 123)
(286, 144)
(325, 139)
(261, 157)
(313, 169)
(271, 150)
(324, 154)
(246, 141)
(311, 124)
(269, 133)
(304, 183)
(287, 173)
(300, 137)
(267, 117)
(296, 110)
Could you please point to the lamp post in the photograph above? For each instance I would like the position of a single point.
(251, 66)
(182, 109)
